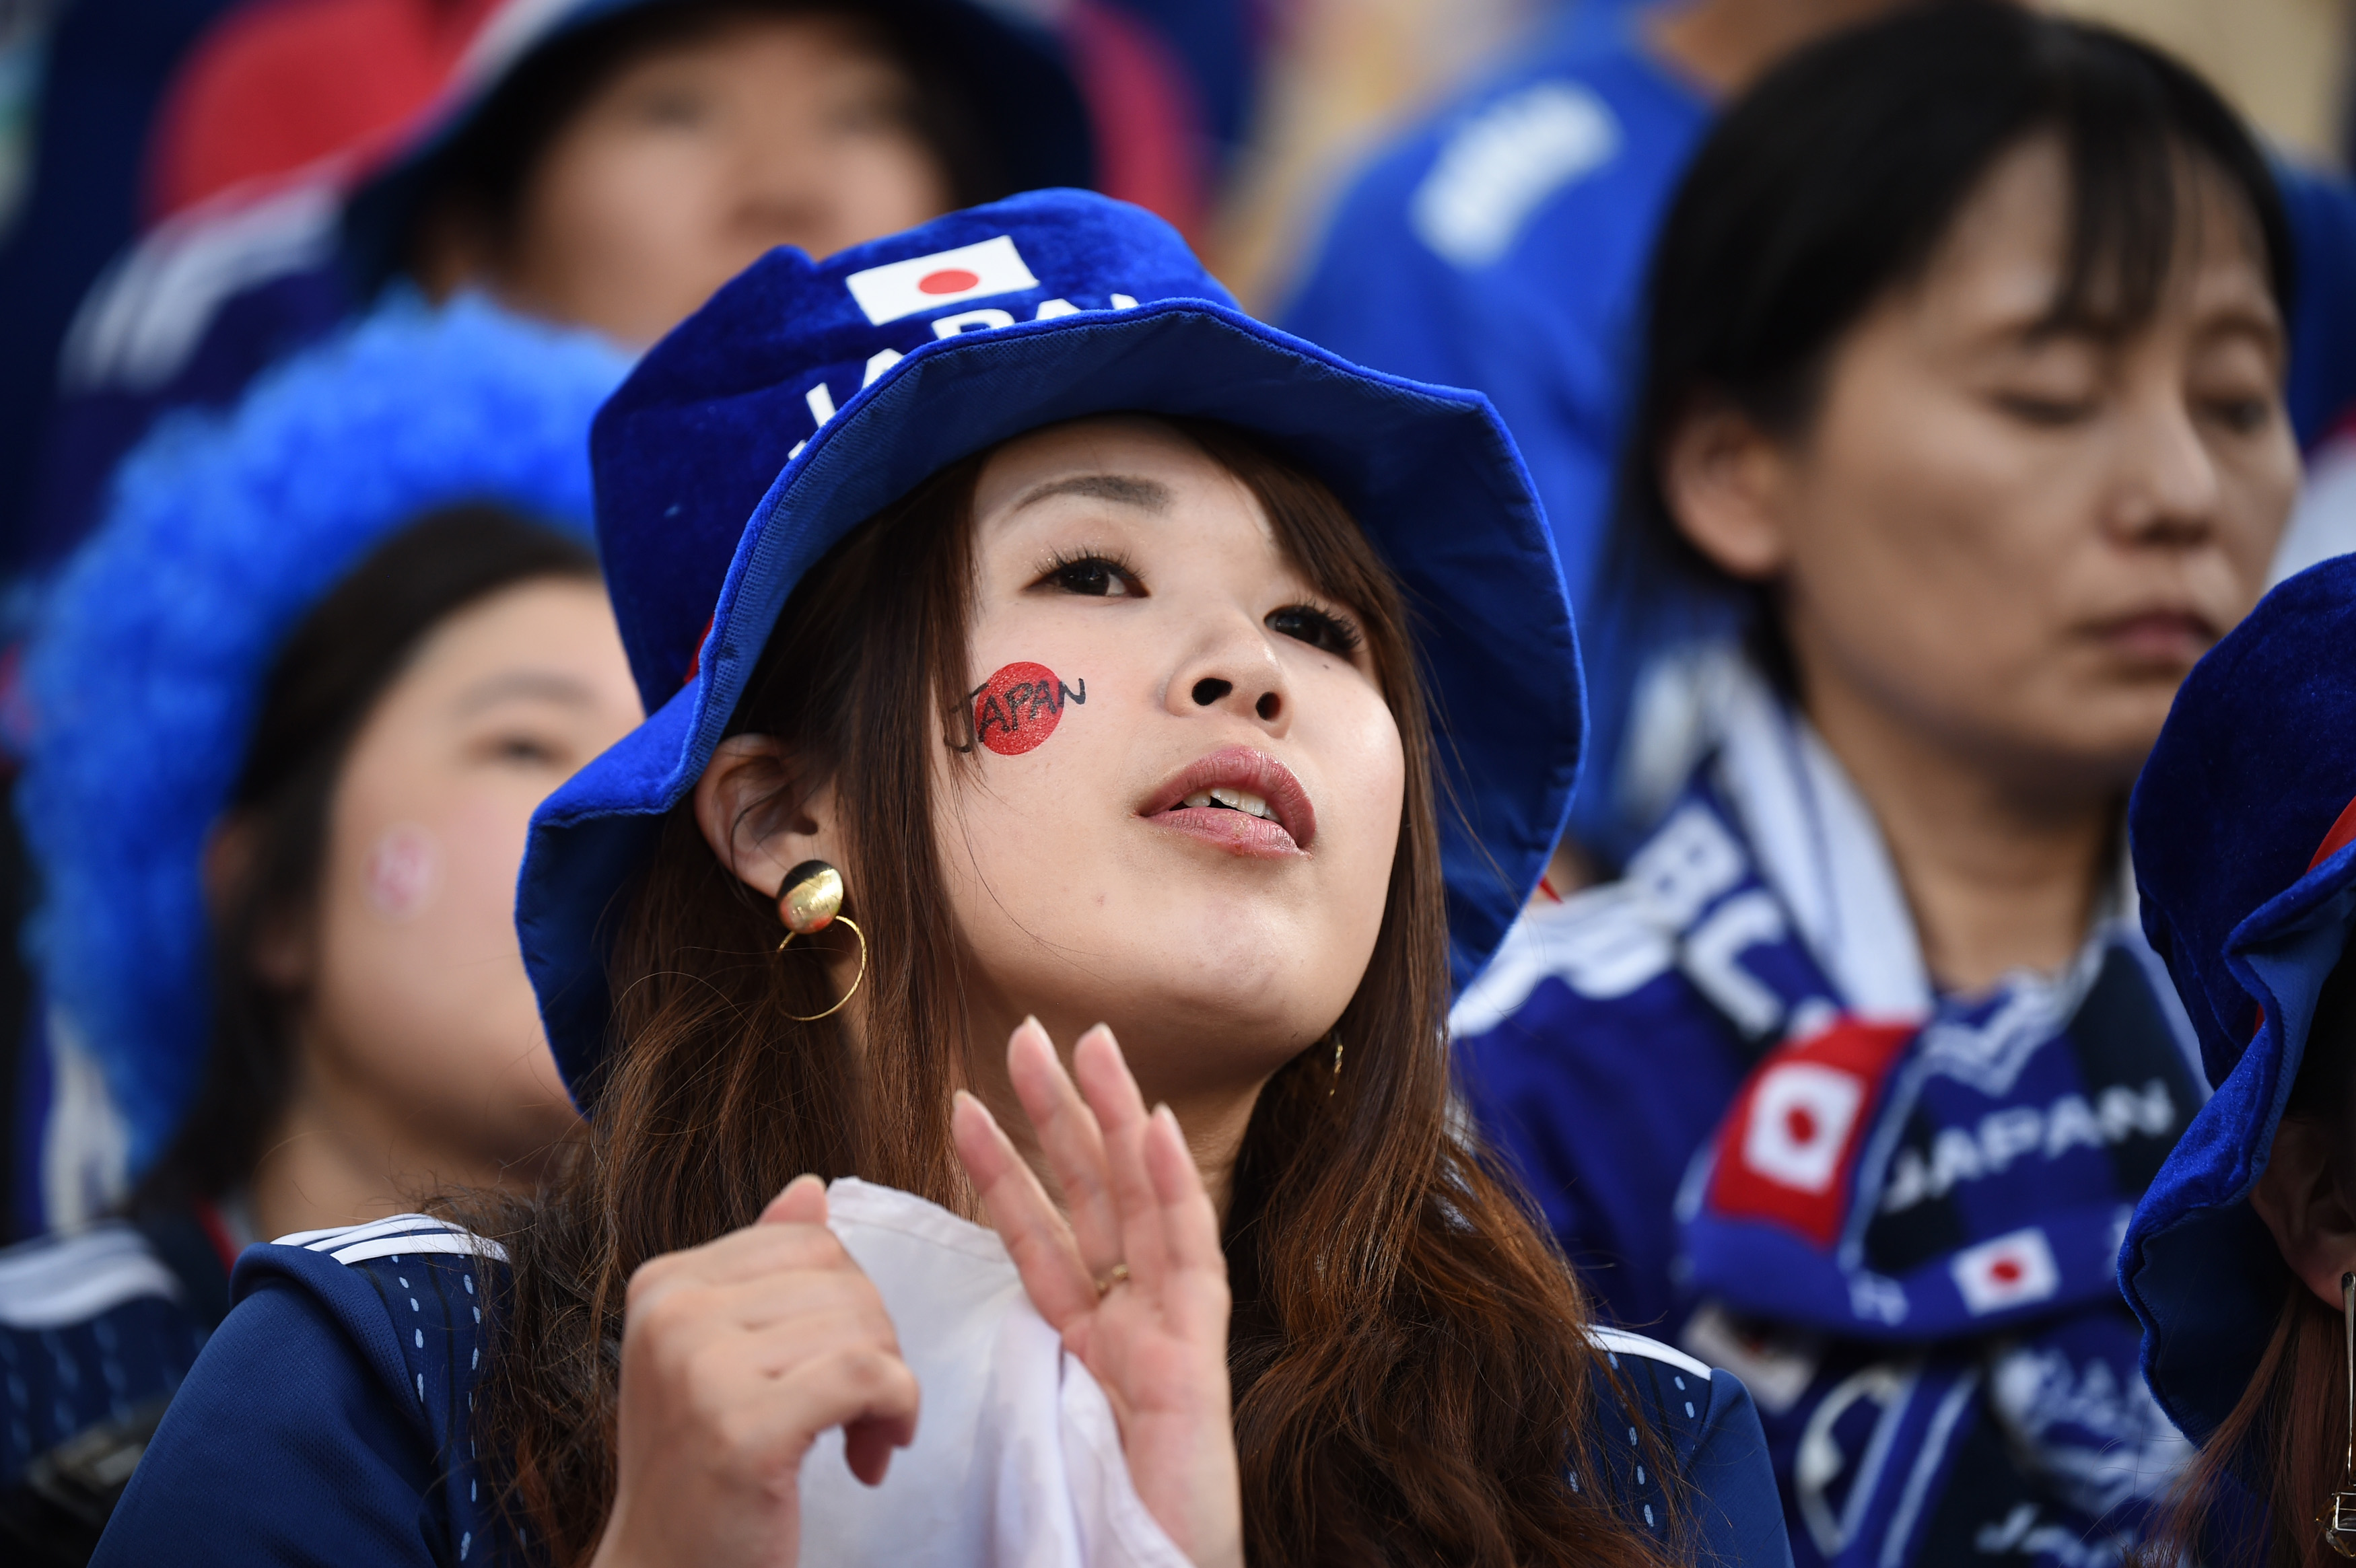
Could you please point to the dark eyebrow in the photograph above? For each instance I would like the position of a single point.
(545, 685)
(2246, 321)
(1146, 495)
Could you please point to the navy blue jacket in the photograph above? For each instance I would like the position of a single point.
(328, 1421)
(96, 1324)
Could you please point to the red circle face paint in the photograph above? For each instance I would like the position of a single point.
(1018, 707)
(403, 871)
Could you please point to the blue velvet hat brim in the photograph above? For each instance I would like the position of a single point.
(1429, 472)
(2198, 1265)
(2251, 773)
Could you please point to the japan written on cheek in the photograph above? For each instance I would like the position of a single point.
(1015, 710)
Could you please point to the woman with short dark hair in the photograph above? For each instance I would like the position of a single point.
(1961, 438)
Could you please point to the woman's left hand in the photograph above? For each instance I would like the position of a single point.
(1134, 1280)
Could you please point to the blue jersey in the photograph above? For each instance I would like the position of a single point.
(1502, 245)
(98, 1326)
(329, 1420)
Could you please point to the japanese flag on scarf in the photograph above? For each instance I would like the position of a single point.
(2006, 1271)
(1785, 1148)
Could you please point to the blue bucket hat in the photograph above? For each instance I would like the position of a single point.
(146, 670)
(2244, 832)
(1015, 75)
(807, 396)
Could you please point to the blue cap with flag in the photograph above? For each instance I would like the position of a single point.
(2244, 831)
(807, 396)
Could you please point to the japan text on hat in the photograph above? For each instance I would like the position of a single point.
(807, 396)
(2242, 828)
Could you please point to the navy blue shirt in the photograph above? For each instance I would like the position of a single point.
(98, 1325)
(328, 1421)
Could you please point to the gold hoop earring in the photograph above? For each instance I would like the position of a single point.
(809, 901)
(2338, 1516)
(1336, 1084)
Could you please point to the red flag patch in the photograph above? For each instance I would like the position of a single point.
(1788, 1143)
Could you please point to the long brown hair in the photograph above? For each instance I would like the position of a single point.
(1412, 1383)
(2251, 1498)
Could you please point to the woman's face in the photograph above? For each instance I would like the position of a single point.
(1185, 785)
(696, 159)
(2016, 541)
(416, 1011)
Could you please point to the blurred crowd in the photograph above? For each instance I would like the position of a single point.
(1916, 395)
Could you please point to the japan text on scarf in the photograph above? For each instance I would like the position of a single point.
(1894, 1212)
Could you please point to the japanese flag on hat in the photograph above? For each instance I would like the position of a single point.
(944, 277)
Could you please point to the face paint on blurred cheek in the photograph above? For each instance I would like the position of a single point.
(403, 871)
(1017, 708)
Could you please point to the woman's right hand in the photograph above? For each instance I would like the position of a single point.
(1133, 1278)
(735, 1357)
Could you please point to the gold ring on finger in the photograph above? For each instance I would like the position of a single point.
(1116, 1275)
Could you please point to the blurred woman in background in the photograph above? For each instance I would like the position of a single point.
(2240, 1256)
(601, 162)
(297, 701)
(1963, 401)
(644, 154)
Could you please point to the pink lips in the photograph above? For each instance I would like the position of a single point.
(1288, 830)
(2173, 638)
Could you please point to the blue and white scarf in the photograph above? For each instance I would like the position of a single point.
(1902, 1234)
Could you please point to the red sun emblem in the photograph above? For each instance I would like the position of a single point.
(947, 280)
(1016, 710)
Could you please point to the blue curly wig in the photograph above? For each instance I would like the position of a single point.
(146, 668)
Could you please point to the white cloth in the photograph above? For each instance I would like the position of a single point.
(1017, 1461)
